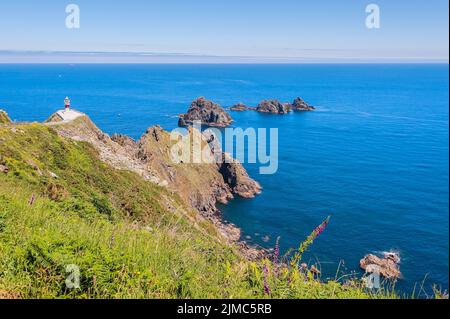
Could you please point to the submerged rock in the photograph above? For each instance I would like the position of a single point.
(388, 266)
(273, 107)
(206, 112)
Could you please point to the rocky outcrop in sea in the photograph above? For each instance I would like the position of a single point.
(206, 112)
(387, 266)
(239, 107)
(276, 107)
(273, 107)
(300, 105)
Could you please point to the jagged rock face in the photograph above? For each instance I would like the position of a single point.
(300, 105)
(207, 112)
(123, 140)
(387, 267)
(4, 118)
(274, 107)
(237, 178)
(201, 185)
(239, 107)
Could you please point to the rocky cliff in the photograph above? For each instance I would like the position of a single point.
(207, 112)
(237, 178)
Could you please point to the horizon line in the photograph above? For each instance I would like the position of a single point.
(142, 57)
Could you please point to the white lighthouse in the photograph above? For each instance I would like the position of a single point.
(67, 104)
(68, 114)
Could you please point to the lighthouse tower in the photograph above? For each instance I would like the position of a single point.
(67, 104)
(67, 114)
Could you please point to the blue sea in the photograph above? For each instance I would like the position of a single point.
(375, 154)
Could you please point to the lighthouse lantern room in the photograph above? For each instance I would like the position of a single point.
(67, 103)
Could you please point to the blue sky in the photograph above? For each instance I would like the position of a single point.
(285, 30)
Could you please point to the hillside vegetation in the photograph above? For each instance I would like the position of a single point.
(4, 118)
(60, 205)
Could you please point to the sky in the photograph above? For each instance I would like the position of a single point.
(224, 31)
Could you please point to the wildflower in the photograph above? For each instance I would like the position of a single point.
(319, 230)
(309, 240)
(266, 275)
(276, 252)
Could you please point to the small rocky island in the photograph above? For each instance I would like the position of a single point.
(300, 105)
(239, 107)
(274, 106)
(207, 112)
(387, 266)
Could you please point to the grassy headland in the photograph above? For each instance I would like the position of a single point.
(61, 205)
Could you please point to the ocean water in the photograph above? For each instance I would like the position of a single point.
(375, 154)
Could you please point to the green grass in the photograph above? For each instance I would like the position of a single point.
(129, 238)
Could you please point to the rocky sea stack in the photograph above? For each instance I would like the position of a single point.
(276, 107)
(273, 107)
(207, 112)
(300, 105)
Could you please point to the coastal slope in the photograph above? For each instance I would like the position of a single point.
(200, 185)
(67, 205)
